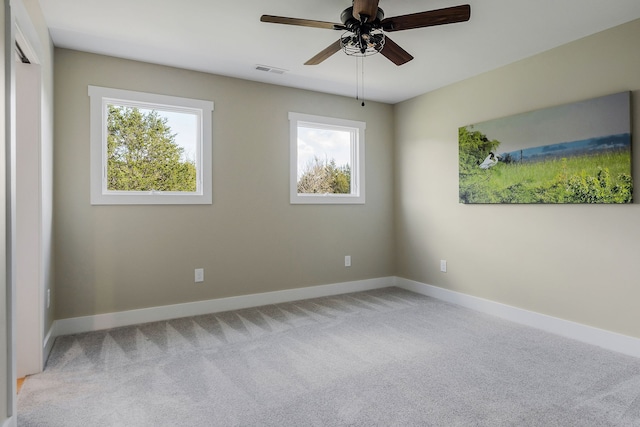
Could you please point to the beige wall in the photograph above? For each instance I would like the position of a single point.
(45, 52)
(251, 240)
(576, 262)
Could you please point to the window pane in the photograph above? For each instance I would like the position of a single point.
(324, 160)
(185, 126)
(151, 150)
(326, 163)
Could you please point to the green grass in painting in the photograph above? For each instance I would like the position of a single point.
(602, 178)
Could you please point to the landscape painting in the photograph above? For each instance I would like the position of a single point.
(574, 153)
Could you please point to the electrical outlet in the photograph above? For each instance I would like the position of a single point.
(347, 261)
(443, 265)
(48, 298)
(199, 275)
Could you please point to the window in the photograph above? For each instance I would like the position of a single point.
(327, 160)
(149, 149)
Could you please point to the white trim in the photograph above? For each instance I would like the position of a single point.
(99, 98)
(606, 339)
(357, 130)
(132, 317)
(47, 345)
(26, 33)
(30, 238)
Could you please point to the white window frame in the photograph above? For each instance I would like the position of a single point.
(100, 98)
(357, 130)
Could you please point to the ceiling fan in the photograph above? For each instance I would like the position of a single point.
(364, 27)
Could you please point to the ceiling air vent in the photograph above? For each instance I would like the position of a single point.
(269, 69)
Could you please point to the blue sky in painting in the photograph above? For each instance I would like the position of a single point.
(568, 149)
(581, 121)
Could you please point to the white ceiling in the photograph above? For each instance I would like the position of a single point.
(226, 37)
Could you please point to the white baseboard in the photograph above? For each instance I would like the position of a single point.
(49, 339)
(10, 422)
(153, 314)
(587, 334)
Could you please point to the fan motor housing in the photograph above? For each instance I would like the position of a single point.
(349, 20)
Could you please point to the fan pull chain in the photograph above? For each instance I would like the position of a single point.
(357, 80)
(362, 67)
(360, 81)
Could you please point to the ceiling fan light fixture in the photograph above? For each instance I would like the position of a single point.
(364, 45)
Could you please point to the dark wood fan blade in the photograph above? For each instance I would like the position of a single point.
(326, 53)
(430, 18)
(301, 22)
(395, 53)
(368, 8)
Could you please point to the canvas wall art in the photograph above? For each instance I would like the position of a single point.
(574, 153)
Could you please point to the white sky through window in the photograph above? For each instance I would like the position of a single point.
(325, 144)
(184, 126)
